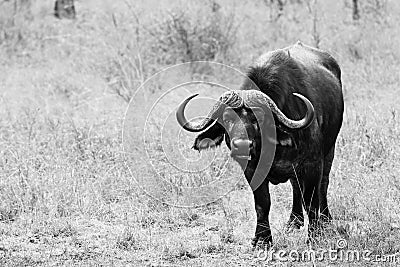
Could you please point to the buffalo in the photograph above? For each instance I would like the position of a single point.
(301, 87)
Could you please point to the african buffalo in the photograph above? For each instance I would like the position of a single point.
(304, 132)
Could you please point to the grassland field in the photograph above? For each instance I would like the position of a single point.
(67, 197)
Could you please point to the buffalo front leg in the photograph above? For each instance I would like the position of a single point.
(311, 177)
(296, 219)
(262, 203)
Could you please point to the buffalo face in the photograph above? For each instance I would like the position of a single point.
(241, 129)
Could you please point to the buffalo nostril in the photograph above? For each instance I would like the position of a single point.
(251, 145)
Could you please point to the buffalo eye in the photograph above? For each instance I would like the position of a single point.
(229, 117)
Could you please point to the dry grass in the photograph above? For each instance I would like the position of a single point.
(66, 195)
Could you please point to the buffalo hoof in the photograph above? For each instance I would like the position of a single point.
(294, 223)
(262, 242)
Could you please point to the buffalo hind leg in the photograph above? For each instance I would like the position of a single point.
(296, 219)
(262, 203)
(324, 210)
(311, 176)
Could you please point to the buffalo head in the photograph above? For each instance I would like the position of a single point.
(241, 116)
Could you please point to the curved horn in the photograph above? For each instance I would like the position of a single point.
(254, 96)
(310, 114)
(230, 98)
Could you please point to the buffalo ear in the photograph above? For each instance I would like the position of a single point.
(285, 139)
(211, 138)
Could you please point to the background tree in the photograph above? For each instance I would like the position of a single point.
(356, 13)
(64, 9)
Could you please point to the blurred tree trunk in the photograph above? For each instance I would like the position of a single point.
(356, 12)
(64, 9)
(280, 8)
(280, 5)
